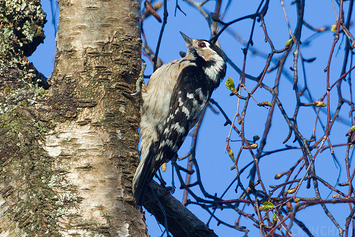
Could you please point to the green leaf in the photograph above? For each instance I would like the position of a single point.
(266, 206)
(333, 28)
(230, 153)
(288, 42)
(230, 84)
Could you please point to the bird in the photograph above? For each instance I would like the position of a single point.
(173, 101)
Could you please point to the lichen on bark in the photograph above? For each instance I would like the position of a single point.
(21, 31)
(22, 24)
(73, 148)
(28, 204)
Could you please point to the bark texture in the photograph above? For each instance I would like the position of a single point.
(68, 156)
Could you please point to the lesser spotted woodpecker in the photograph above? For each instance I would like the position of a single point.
(173, 101)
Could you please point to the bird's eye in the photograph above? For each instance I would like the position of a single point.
(201, 44)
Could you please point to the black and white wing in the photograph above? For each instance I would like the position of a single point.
(189, 98)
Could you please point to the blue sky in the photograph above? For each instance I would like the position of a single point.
(214, 162)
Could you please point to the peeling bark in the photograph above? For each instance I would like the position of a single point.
(68, 156)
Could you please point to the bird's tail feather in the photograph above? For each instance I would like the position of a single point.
(144, 175)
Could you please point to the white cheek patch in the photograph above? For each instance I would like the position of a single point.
(213, 71)
(216, 61)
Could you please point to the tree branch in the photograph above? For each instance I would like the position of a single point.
(180, 221)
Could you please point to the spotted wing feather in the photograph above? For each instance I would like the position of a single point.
(189, 98)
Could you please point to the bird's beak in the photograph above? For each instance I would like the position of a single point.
(187, 39)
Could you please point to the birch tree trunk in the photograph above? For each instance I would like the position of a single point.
(68, 154)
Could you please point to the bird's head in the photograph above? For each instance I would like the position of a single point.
(212, 57)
